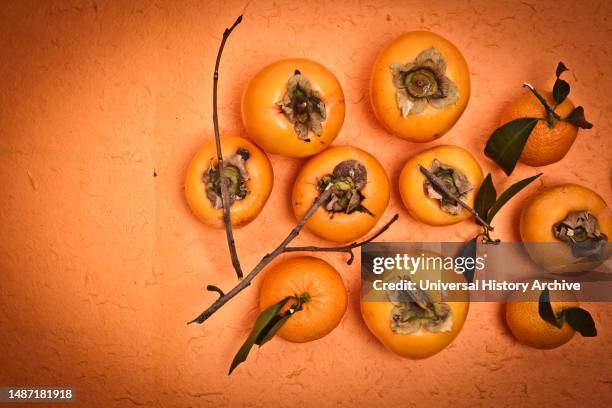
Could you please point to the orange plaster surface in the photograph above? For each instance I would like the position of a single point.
(102, 264)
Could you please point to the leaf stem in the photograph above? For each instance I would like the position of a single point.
(433, 179)
(550, 112)
(225, 199)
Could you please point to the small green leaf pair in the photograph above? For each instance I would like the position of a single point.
(266, 326)
(578, 318)
(487, 205)
(507, 142)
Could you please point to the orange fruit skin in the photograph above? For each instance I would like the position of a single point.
(260, 183)
(432, 123)
(266, 124)
(524, 321)
(425, 208)
(324, 285)
(341, 227)
(545, 145)
(423, 343)
(551, 206)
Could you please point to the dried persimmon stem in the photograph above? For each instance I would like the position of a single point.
(225, 199)
(433, 179)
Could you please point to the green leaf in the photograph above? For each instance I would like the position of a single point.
(546, 311)
(259, 331)
(271, 329)
(507, 195)
(276, 323)
(561, 68)
(576, 117)
(469, 251)
(485, 197)
(560, 91)
(581, 321)
(507, 142)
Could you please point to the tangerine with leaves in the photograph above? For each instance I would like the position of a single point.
(420, 86)
(360, 193)
(293, 107)
(524, 321)
(547, 318)
(321, 289)
(538, 128)
(456, 168)
(546, 144)
(250, 178)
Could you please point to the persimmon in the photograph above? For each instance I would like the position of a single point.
(321, 289)
(248, 171)
(459, 171)
(420, 86)
(417, 330)
(566, 228)
(360, 193)
(293, 107)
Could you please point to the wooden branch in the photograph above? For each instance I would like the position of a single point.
(265, 260)
(213, 288)
(346, 248)
(225, 199)
(283, 246)
(433, 179)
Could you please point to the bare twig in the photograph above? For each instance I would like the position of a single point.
(213, 288)
(346, 248)
(225, 200)
(264, 261)
(433, 179)
(282, 248)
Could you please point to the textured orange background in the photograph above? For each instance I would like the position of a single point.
(102, 264)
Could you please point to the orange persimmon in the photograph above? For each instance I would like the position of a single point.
(558, 218)
(408, 329)
(360, 193)
(293, 107)
(421, 200)
(420, 86)
(250, 177)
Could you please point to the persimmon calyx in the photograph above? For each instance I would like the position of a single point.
(347, 180)
(455, 181)
(303, 107)
(580, 229)
(413, 309)
(423, 82)
(236, 174)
